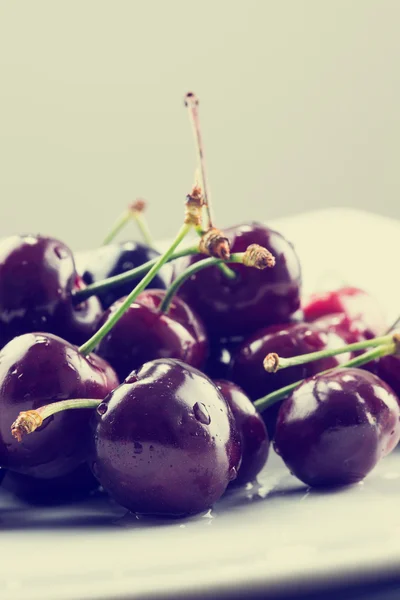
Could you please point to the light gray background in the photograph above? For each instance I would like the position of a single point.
(300, 105)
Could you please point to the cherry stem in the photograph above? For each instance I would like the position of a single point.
(119, 224)
(143, 226)
(114, 318)
(28, 421)
(134, 211)
(192, 103)
(270, 399)
(255, 256)
(110, 282)
(273, 362)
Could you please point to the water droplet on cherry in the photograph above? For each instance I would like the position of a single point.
(232, 474)
(201, 413)
(102, 409)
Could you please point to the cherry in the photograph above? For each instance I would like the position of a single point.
(254, 299)
(287, 341)
(144, 333)
(361, 312)
(255, 440)
(37, 369)
(165, 441)
(113, 259)
(71, 487)
(37, 278)
(335, 427)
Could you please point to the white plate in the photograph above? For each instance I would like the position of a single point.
(278, 536)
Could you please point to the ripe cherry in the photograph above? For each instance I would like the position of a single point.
(165, 441)
(37, 278)
(113, 259)
(254, 299)
(38, 369)
(335, 427)
(144, 333)
(255, 440)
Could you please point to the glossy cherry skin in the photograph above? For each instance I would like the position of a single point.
(334, 428)
(143, 334)
(37, 278)
(361, 312)
(77, 485)
(114, 259)
(165, 441)
(255, 440)
(37, 369)
(287, 341)
(255, 298)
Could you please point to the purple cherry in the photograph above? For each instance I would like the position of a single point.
(165, 441)
(38, 369)
(143, 333)
(37, 278)
(334, 428)
(255, 298)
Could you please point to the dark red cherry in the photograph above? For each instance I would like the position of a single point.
(363, 312)
(113, 259)
(334, 428)
(255, 298)
(71, 487)
(165, 441)
(255, 440)
(286, 341)
(37, 277)
(143, 334)
(38, 369)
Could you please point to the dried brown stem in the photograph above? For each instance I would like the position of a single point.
(25, 423)
(214, 243)
(193, 207)
(271, 362)
(258, 257)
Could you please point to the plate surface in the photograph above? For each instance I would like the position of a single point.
(277, 536)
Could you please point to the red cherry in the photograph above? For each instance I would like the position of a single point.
(144, 333)
(361, 312)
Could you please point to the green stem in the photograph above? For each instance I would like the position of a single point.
(29, 420)
(118, 225)
(100, 286)
(108, 325)
(141, 222)
(263, 403)
(51, 409)
(284, 363)
(198, 266)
